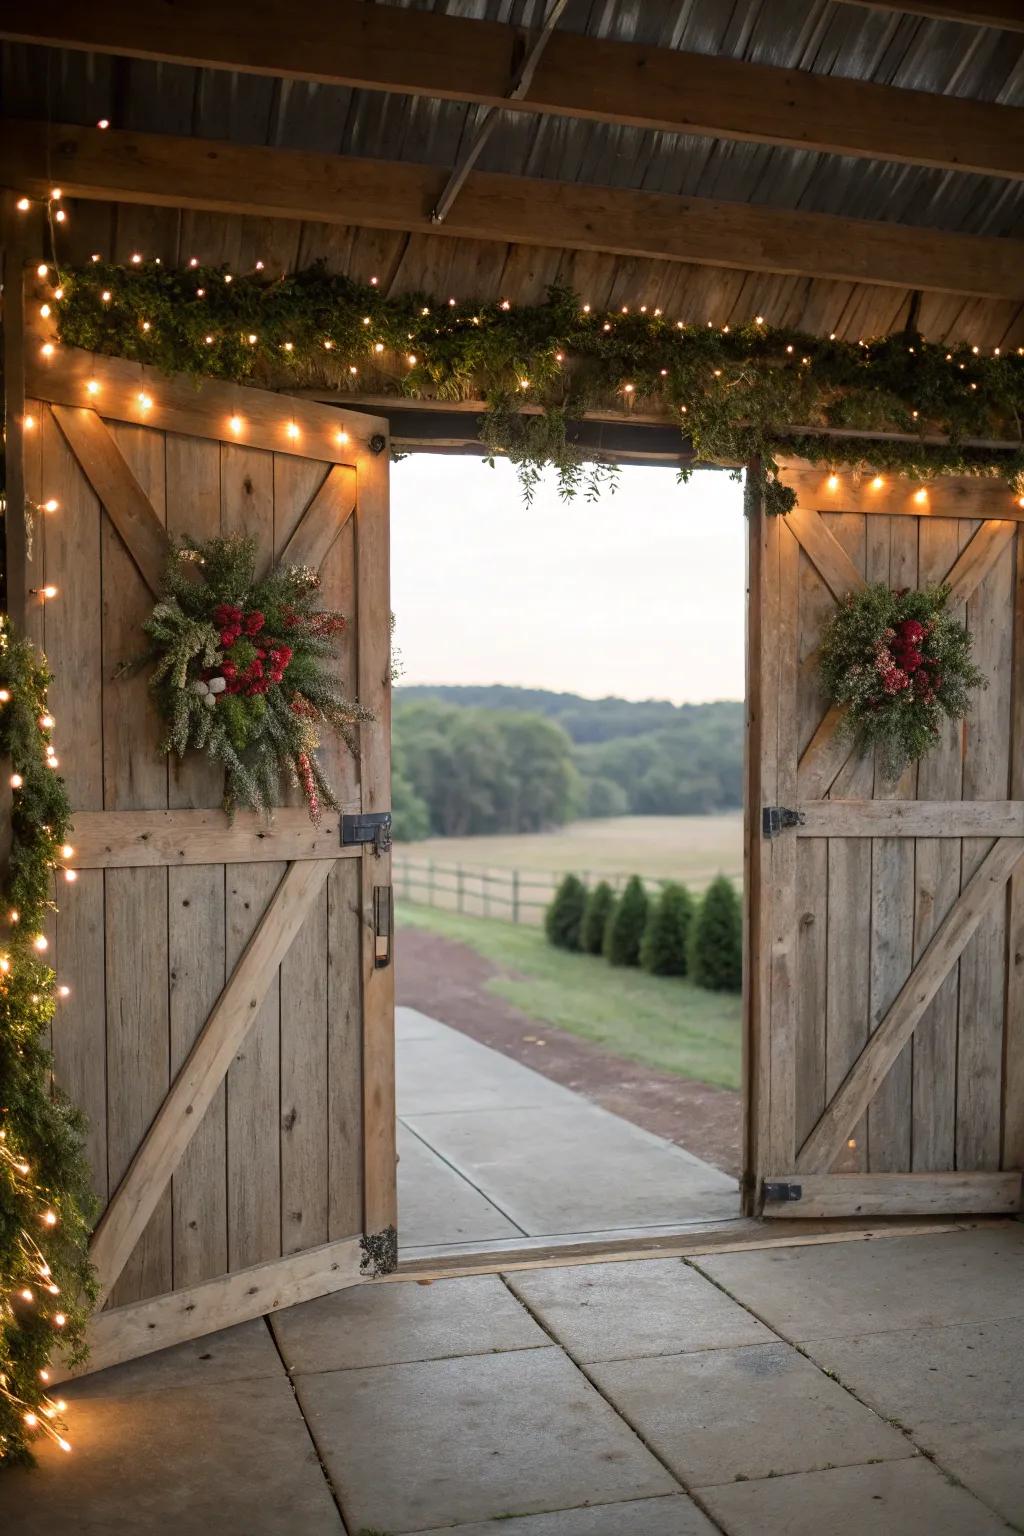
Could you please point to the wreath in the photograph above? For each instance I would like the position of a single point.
(900, 664)
(241, 672)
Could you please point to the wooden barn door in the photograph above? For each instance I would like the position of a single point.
(886, 920)
(229, 1032)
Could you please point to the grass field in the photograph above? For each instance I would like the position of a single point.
(663, 1022)
(689, 848)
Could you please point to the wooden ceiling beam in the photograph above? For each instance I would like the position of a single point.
(1006, 14)
(162, 170)
(428, 53)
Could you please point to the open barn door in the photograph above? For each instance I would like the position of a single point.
(885, 987)
(229, 1033)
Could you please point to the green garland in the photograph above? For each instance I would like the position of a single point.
(46, 1204)
(731, 391)
(240, 672)
(899, 665)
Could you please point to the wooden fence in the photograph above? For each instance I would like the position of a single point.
(516, 895)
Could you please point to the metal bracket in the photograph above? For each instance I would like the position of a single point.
(779, 818)
(778, 1193)
(372, 827)
(378, 442)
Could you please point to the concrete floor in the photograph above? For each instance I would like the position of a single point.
(492, 1151)
(840, 1389)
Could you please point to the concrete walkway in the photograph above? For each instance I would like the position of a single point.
(848, 1388)
(492, 1152)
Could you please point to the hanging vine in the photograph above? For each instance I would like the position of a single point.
(736, 394)
(46, 1203)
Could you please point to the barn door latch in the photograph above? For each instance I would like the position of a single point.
(777, 1192)
(778, 818)
(373, 827)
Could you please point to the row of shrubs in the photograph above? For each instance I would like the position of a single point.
(670, 934)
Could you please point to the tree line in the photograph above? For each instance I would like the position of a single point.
(670, 934)
(469, 761)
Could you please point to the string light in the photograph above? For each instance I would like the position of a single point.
(51, 505)
(921, 496)
(341, 438)
(23, 205)
(92, 387)
(104, 122)
(235, 423)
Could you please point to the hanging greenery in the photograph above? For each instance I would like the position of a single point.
(239, 672)
(46, 1204)
(900, 665)
(736, 394)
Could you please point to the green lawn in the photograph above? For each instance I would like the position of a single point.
(660, 1021)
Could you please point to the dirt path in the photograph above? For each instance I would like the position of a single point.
(448, 981)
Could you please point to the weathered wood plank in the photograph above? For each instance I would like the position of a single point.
(782, 894)
(430, 53)
(228, 177)
(900, 1194)
(936, 888)
(135, 839)
(950, 496)
(203, 408)
(833, 563)
(193, 1089)
(141, 1328)
(373, 608)
(861, 1083)
(124, 501)
(345, 1049)
(948, 819)
(983, 964)
(978, 559)
(323, 520)
(305, 1067)
(1013, 1087)
(892, 909)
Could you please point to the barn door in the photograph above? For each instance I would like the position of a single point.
(229, 1032)
(886, 920)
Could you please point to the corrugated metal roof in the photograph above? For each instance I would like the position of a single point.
(815, 35)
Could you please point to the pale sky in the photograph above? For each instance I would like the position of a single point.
(639, 595)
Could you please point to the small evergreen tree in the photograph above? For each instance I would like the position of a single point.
(564, 917)
(625, 931)
(600, 903)
(663, 951)
(716, 939)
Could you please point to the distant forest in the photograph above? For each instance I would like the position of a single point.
(495, 759)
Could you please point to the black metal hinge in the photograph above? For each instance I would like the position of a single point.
(372, 827)
(778, 1193)
(777, 818)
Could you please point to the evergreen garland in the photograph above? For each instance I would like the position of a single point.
(732, 392)
(46, 1204)
(899, 664)
(239, 672)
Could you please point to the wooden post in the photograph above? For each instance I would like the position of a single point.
(16, 242)
(515, 895)
(430, 883)
(460, 889)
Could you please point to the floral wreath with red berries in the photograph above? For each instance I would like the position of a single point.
(900, 665)
(243, 672)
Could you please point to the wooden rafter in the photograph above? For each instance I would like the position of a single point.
(232, 178)
(1007, 14)
(427, 53)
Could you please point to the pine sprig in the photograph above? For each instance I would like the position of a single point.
(900, 665)
(46, 1201)
(240, 672)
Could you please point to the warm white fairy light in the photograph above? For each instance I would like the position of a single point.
(40, 942)
(104, 122)
(60, 216)
(292, 430)
(92, 387)
(16, 781)
(145, 401)
(136, 258)
(48, 591)
(51, 505)
(921, 496)
(42, 269)
(44, 310)
(28, 422)
(63, 991)
(341, 438)
(71, 875)
(235, 423)
(23, 205)
(877, 483)
(105, 295)
(47, 349)
(47, 721)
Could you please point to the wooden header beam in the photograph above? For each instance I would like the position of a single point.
(427, 53)
(1007, 14)
(336, 189)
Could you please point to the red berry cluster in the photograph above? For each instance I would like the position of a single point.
(269, 663)
(903, 664)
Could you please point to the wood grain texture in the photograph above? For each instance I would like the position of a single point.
(227, 177)
(986, 887)
(137, 839)
(900, 1194)
(141, 1328)
(323, 520)
(952, 496)
(1013, 1087)
(122, 498)
(222, 1036)
(947, 819)
(433, 54)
